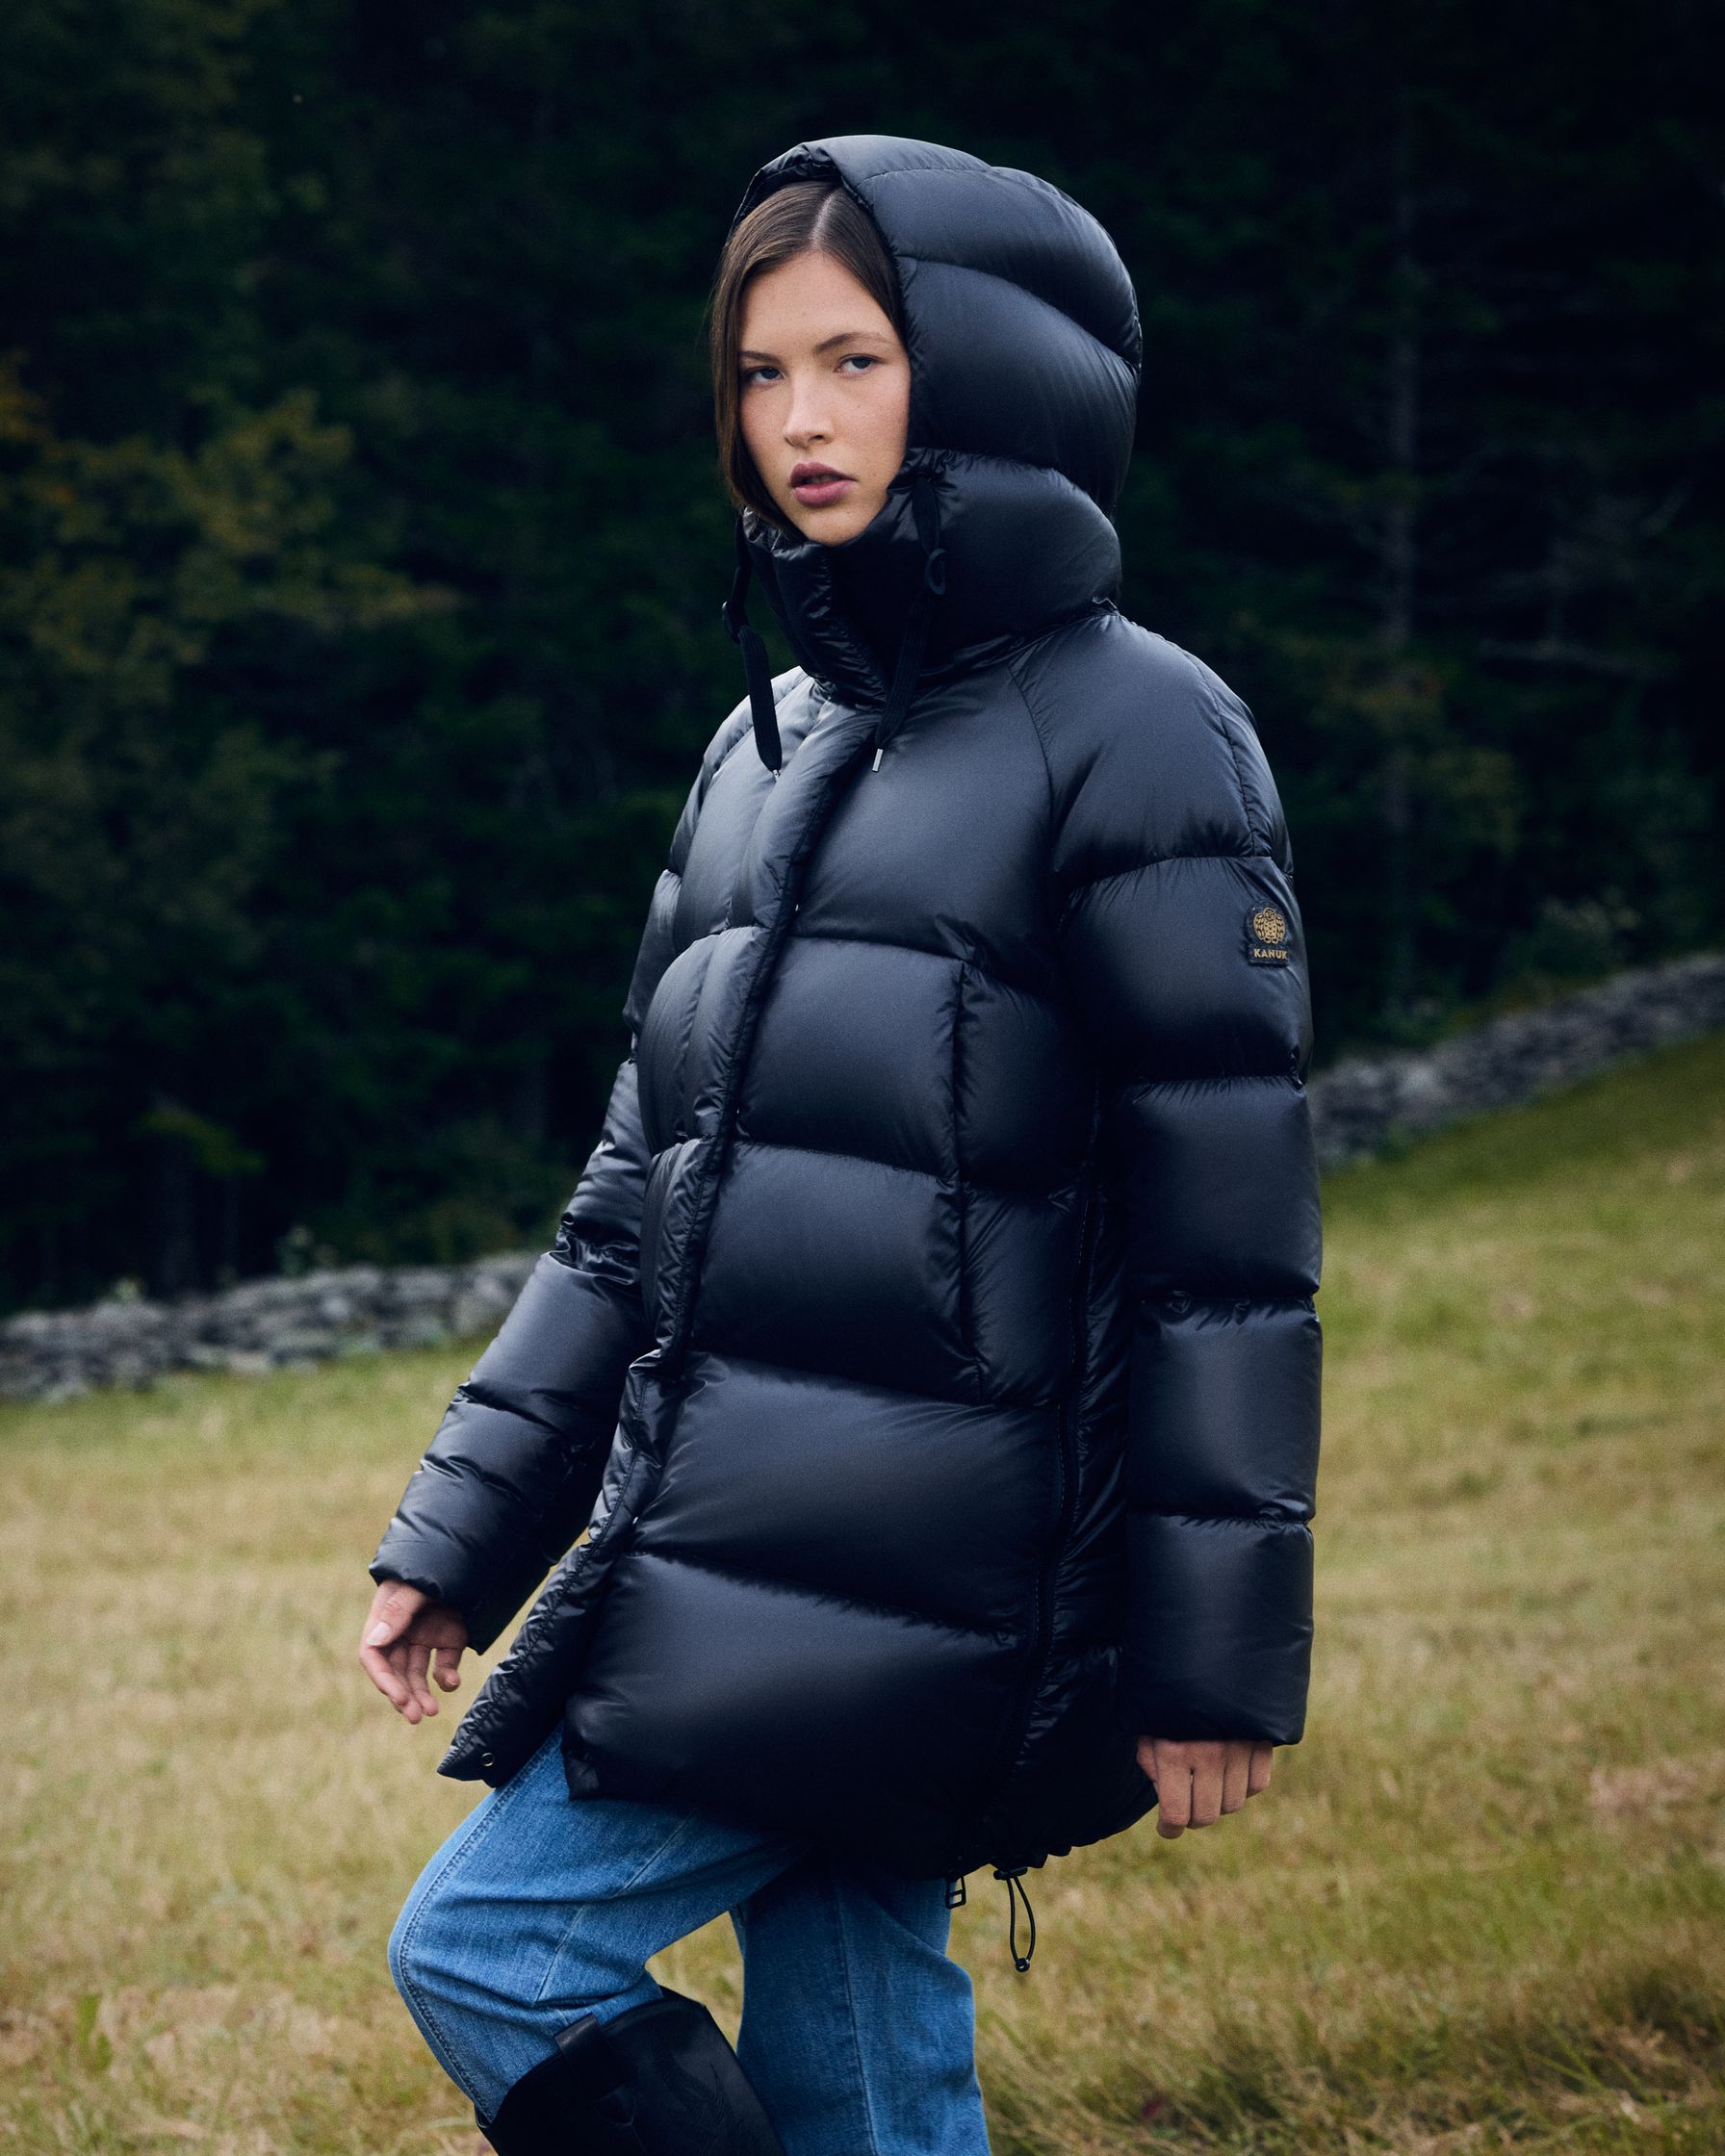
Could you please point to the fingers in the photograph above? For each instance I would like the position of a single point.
(446, 1664)
(392, 1670)
(1172, 1773)
(389, 1658)
(389, 1680)
(1157, 1756)
(1197, 1780)
(1236, 1772)
(416, 1657)
(394, 1607)
(1206, 1784)
(1188, 1786)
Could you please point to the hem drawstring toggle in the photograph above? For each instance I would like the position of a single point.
(1013, 1876)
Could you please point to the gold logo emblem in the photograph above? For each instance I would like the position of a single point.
(1270, 925)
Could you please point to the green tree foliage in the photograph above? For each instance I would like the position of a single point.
(361, 546)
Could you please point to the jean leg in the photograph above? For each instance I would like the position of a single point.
(859, 2029)
(540, 1908)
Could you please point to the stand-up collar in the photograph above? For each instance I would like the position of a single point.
(1024, 548)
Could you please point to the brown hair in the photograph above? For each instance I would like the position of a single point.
(803, 215)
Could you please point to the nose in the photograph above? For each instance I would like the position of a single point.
(808, 419)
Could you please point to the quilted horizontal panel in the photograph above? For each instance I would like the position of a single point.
(1224, 1408)
(855, 1054)
(822, 1261)
(1220, 1176)
(860, 1491)
(715, 1688)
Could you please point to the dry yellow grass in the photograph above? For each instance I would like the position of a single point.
(1480, 1908)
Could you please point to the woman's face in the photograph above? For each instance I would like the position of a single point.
(824, 388)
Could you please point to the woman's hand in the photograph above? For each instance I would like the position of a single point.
(406, 1630)
(1198, 1779)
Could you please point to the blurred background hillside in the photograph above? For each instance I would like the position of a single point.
(362, 548)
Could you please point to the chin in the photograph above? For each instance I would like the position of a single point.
(834, 532)
(831, 527)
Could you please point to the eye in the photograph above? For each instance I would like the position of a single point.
(869, 359)
(749, 372)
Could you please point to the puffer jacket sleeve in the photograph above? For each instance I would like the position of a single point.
(1186, 954)
(509, 1479)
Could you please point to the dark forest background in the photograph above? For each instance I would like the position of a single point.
(362, 546)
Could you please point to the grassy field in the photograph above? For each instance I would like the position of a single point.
(1482, 1907)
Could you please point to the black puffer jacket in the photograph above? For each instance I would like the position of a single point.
(930, 1342)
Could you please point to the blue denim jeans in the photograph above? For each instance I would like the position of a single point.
(858, 2029)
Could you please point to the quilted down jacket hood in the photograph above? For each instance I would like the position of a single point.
(929, 1346)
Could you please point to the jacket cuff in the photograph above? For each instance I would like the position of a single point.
(1218, 1632)
(485, 1607)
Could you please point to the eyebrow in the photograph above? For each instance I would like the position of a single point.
(839, 337)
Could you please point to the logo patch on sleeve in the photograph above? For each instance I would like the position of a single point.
(1266, 936)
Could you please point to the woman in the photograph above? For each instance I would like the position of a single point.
(929, 1345)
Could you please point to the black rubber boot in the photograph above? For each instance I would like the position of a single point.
(659, 2080)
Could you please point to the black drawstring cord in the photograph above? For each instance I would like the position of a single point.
(1013, 1876)
(925, 503)
(755, 664)
(1014, 1881)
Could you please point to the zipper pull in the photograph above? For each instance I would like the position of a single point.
(876, 765)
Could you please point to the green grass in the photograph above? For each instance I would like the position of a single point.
(1479, 1908)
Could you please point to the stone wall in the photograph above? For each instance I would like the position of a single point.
(1359, 1106)
(260, 1324)
(1364, 1103)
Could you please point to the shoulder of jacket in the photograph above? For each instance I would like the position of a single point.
(1129, 717)
(1105, 672)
